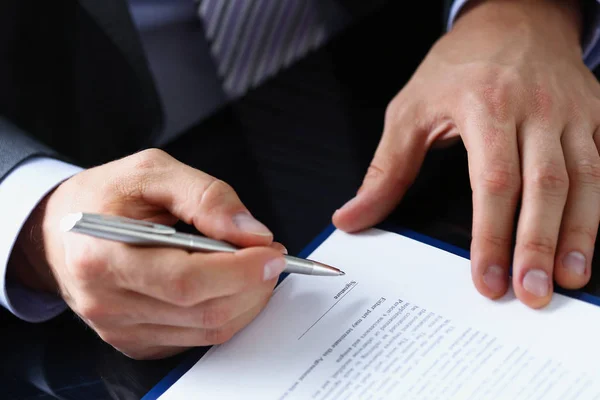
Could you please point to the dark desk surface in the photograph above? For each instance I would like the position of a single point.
(332, 91)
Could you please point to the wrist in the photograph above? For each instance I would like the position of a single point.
(560, 22)
(27, 265)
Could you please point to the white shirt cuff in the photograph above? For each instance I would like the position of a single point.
(20, 192)
(591, 43)
(454, 10)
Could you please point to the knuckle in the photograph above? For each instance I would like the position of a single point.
(214, 194)
(192, 201)
(398, 112)
(495, 141)
(543, 102)
(87, 266)
(382, 171)
(496, 99)
(182, 289)
(219, 335)
(116, 339)
(492, 92)
(215, 316)
(211, 197)
(586, 232)
(150, 159)
(577, 111)
(208, 197)
(110, 336)
(393, 111)
(498, 241)
(374, 172)
(511, 77)
(587, 172)
(549, 179)
(146, 166)
(501, 180)
(93, 309)
(540, 245)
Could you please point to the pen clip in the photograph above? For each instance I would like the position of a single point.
(127, 223)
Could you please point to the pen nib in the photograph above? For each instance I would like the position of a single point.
(324, 269)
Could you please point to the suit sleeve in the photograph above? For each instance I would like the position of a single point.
(16, 146)
(20, 192)
(28, 174)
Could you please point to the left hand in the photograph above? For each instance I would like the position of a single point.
(509, 80)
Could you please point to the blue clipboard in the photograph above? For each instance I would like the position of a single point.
(195, 355)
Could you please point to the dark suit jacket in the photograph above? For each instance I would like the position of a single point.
(75, 84)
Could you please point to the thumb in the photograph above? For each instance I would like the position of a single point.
(394, 167)
(198, 199)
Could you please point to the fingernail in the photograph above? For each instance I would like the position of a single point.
(536, 282)
(279, 247)
(273, 268)
(575, 262)
(494, 278)
(247, 223)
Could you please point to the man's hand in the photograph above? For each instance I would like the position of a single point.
(510, 81)
(151, 303)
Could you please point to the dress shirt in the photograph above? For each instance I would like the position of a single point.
(180, 61)
(20, 192)
(186, 79)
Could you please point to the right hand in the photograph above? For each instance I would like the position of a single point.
(155, 302)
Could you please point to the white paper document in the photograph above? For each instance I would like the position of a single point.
(405, 322)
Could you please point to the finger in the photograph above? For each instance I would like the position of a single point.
(211, 205)
(279, 247)
(545, 187)
(494, 170)
(184, 279)
(582, 212)
(136, 339)
(397, 160)
(211, 314)
(126, 308)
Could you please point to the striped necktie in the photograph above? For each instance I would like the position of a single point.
(251, 40)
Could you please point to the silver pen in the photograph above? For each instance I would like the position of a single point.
(145, 233)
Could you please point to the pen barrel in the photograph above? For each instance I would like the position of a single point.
(298, 266)
(188, 242)
(114, 234)
(178, 240)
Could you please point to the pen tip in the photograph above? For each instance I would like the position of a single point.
(328, 270)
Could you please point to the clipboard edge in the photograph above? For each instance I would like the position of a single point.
(164, 384)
